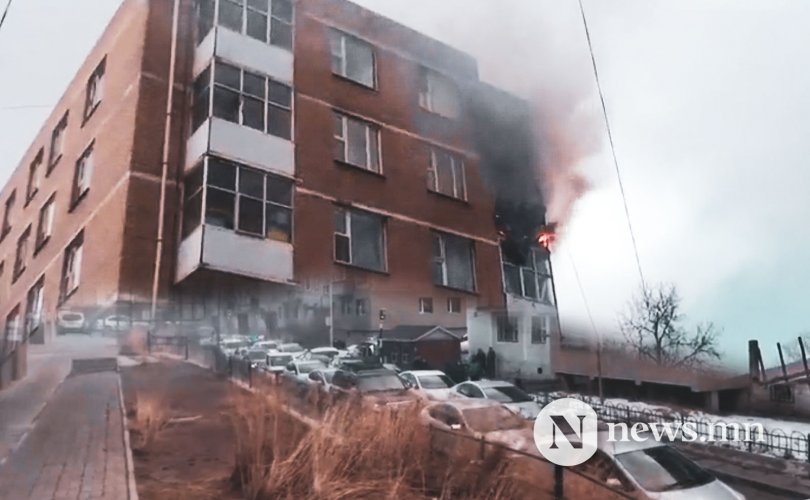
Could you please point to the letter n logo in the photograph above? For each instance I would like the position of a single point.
(559, 422)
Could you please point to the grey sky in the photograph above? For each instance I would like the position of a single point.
(710, 114)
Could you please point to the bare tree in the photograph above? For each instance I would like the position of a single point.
(653, 328)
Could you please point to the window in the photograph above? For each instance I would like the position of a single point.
(192, 200)
(361, 307)
(201, 99)
(438, 94)
(425, 305)
(7, 214)
(269, 21)
(21, 259)
(453, 262)
(34, 176)
(71, 267)
(247, 200)
(531, 280)
(33, 309)
(454, 305)
(95, 89)
(446, 174)
(541, 329)
(359, 239)
(357, 143)
(57, 142)
(352, 58)
(781, 393)
(12, 330)
(204, 14)
(248, 99)
(507, 328)
(82, 175)
(45, 223)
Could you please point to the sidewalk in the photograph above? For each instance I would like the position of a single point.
(76, 449)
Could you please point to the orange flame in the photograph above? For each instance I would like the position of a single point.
(547, 236)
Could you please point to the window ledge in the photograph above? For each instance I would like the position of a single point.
(77, 200)
(351, 166)
(30, 198)
(67, 295)
(41, 244)
(361, 268)
(89, 113)
(448, 197)
(52, 165)
(461, 290)
(360, 85)
(4, 234)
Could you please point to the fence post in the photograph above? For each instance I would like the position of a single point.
(250, 374)
(481, 449)
(186, 348)
(807, 442)
(558, 482)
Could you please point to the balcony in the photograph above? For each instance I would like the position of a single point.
(244, 51)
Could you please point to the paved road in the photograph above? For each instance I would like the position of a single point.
(48, 365)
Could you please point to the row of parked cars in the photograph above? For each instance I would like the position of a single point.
(495, 411)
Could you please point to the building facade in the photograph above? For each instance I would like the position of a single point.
(319, 177)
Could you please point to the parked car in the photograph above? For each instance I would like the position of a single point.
(479, 419)
(70, 322)
(117, 323)
(330, 353)
(277, 362)
(322, 377)
(380, 386)
(511, 396)
(266, 345)
(233, 346)
(300, 369)
(256, 357)
(292, 348)
(653, 470)
(434, 384)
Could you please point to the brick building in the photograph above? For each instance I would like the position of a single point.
(320, 177)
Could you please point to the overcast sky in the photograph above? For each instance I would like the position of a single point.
(708, 102)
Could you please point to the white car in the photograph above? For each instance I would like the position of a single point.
(233, 346)
(325, 352)
(266, 345)
(70, 322)
(505, 393)
(292, 348)
(322, 377)
(434, 384)
(655, 469)
(277, 362)
(300, 369)
(117, 323)
(256, 357)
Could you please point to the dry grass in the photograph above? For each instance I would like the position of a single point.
(356, 452)
(151, 414)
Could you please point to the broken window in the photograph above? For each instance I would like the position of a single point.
(21, 258)
(438, 94)
(453, 262)
(71, 267)
(245, 199)
(45, 223)
(34, 176)
(249, 99)
(34, 307)
(352, 58)
(57, 142)
(425, 305)
(82, 175)
(359, 239)
(506, 328)
(7, 214)
(95, 89)
(357, 143)
(269, 21)
(446, 174)
(201, 99)
(541, 329)
(531, 280)
(204, 14)
(454, 305)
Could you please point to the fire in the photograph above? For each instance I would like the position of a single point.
(547, 236)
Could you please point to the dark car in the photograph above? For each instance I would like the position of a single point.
(379, 385)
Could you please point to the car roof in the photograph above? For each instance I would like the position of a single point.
(490, 383)
(468, 404)
(419, 373)
(375, 372)
(279, 354)
(624, 446)
(324, 349)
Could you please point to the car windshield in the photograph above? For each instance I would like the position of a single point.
(309, 366)
(235, 344)
(71, 316)
(506, 394)
(280, 360)
(256, 355)
(435, 381)
(291, 348)
(379, 382)
(495, 418)
(663, 468)
(267, 345)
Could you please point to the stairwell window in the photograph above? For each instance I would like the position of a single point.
(57, 142)
(438, 94)
(357, 143)
(453, 262)
(248, 99)
(95, 89)
(71, 267)
(446, 174)
(82, 176)
(359, 239)
(34, 176)
(269, 21)
(352, 58)
(34, 305)
(21, 257)
(45, 223)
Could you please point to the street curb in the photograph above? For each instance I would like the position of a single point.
(768, 487)
(132, 489)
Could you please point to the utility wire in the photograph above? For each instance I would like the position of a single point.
(612, 147)
(5, 13)
(593, 326)
(25, 106)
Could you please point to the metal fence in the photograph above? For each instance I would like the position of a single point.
(772, 441)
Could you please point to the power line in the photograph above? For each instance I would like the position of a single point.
(612, 146)
(25, 106)
(593, 326)
(5, 13)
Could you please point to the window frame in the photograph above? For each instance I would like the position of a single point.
(35, 299)
(540, 336)
(349, 236)
(342, 54)
(270, 15)
(371, 130)
(72, 259)
(443, 261)
(11, 329)
(94, 91)
(7, 221)
(81, 184)
(425, 305)
(428, 78)
(539, 269)
(450, 302)
(57, 142)
(459, 190)
(35, 176)
(21, 255)
(510, 335)
(45, 227)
